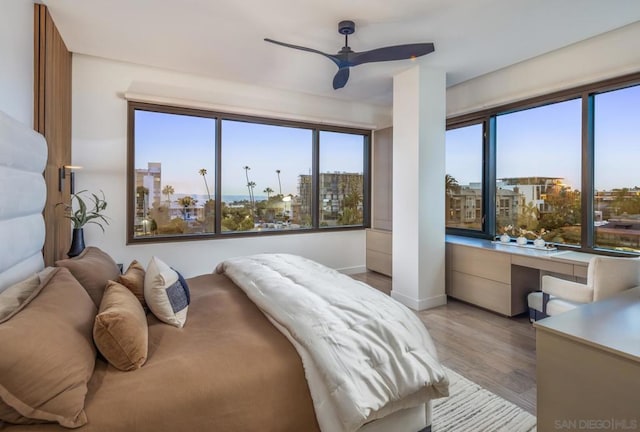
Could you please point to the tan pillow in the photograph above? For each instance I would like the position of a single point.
(48, 354)
(93, 268)
(120, 330)
(12, 298)
(133, 279)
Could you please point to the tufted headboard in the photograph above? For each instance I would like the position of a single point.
(23, 156)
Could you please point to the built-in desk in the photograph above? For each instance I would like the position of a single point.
(498, 277)
(588, 366)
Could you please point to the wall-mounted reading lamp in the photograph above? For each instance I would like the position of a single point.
(62, 175)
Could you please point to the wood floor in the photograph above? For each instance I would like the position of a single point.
(493, 351)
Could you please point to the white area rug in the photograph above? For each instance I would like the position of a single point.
(471, 408)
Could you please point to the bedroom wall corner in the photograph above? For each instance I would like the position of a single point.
(16, 51)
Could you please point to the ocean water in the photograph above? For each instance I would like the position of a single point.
(225, 198)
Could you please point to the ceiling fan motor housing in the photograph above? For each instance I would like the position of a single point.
(346, 27)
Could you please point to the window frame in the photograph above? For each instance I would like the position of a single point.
(219, 117)
(471, 120)
(586, 93)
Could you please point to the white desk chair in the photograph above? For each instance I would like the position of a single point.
(605, 276)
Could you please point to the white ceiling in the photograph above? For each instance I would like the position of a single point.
(223, 39)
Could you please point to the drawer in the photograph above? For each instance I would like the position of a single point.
(543, 264)
(580, 271)
(379, 241)
(478, 262)
(489, 294)
(379, 262)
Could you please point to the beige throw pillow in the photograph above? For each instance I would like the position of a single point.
(133, 279)
(166, 293)
(48, 354)
(14, 296)
(93, 268)
(120, 330)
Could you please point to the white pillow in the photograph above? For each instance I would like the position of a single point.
(166, 293)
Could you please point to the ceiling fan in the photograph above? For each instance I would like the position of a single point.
(347, 58)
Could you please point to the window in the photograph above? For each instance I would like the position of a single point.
(173, 184)
(262, 176)
(463, 181)
(197, 174)
(616, 180)
(341, 199)
(538, 157)
(564, 163)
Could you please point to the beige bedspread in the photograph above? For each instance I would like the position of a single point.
(227, 370)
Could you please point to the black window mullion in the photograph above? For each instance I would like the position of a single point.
(218, 176)
(366, 181)
(315, 180)
(588, 163)
(489, 173)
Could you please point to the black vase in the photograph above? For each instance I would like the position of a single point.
(77, 243)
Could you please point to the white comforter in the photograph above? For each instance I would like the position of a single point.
(371, 353)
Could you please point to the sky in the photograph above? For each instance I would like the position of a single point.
(185, 144)
(546, 142)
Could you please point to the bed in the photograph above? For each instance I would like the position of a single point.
(247, 357)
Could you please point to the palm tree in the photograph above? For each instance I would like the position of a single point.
(168, 191)
(279, 184)
(251, 185)
(451, 184)
(246, 169)
(268, 191)
(203, 173)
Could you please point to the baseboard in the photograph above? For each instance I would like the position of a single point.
(353, 270)
(419, 304)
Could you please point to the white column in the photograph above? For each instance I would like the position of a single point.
(419, 122)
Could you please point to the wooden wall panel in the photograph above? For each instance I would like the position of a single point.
(52, 118)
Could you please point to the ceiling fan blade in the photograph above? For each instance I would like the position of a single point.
(333, 58)
(340, 80)
(397, 52)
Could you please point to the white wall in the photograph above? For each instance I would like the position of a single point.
(609, 55)
(99, 145)
(16, 59)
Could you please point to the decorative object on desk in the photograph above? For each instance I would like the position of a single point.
(539, 241)
(506, 230)
(522, 239)
(83, 215)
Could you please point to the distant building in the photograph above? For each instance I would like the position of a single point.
(533, 189)
(334, 188)
(151, 179)
(464, 205)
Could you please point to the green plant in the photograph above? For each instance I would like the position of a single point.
(83, 214)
